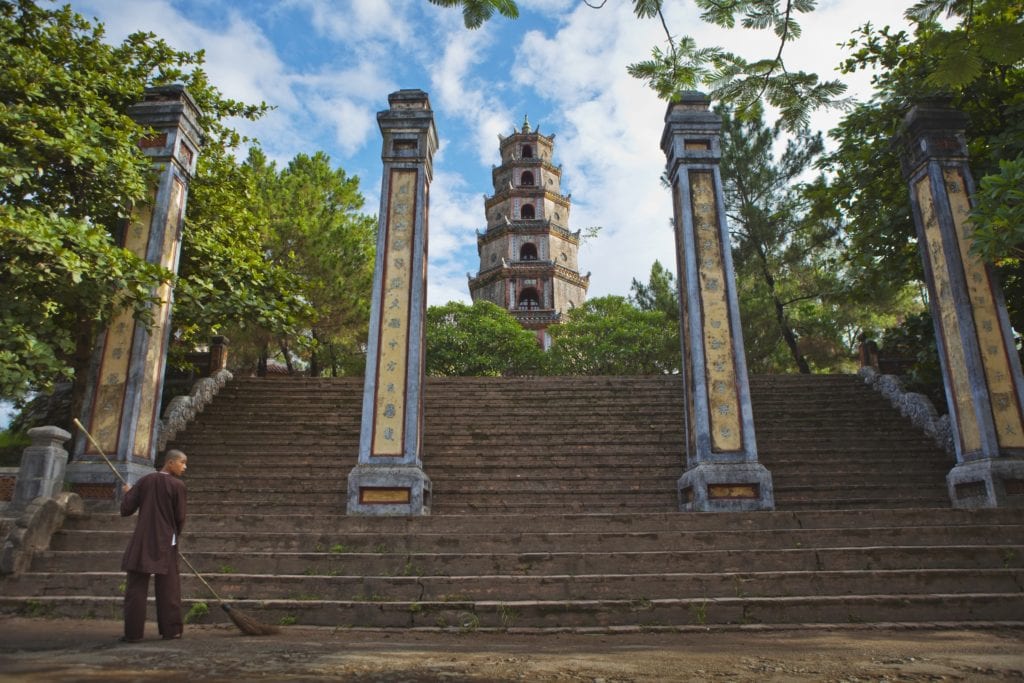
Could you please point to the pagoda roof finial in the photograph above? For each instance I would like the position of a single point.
(526, 124)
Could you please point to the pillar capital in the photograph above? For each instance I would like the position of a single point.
(173, 117)
(691, 133)
(932, 130)
(408, 130)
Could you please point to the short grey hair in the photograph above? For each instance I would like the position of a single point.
(175, 454)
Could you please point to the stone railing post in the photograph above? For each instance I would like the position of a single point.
(126, 375)
(218, 355)
(389, 478)
(722, 472)
(42, 466)
(980, 367)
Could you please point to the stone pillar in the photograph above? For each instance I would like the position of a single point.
(389, 477)
(980, 367)
(42, 466)
(218, 355)
(722, 472)
(126, 376)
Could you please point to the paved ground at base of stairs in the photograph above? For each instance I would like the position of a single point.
(43, 650)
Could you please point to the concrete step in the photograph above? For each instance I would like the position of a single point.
(863, 530)
(344, 562)
(598, 615)
(489, 587)
(297, 540)
(505, 524)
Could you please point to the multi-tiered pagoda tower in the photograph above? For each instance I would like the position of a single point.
(528, 256)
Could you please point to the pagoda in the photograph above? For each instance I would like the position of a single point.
(528, 255)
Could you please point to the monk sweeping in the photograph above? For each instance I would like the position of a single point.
(160, 500)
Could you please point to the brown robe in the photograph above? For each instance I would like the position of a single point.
(160, 499)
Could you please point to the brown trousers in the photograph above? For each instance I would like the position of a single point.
(168, 603)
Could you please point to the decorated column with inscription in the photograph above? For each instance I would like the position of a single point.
(127, 370)
(980, 366)
(722, 472)
(389, 477)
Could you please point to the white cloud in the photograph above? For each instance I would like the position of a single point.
(464, 96)
(345, 102)
(240, 59)
(360, 21)
(609, 130)
(455, 214)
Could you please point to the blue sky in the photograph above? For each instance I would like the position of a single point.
(328, 67)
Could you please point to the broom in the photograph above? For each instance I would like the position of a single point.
(245, 623)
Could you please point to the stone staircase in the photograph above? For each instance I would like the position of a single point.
(554, 507)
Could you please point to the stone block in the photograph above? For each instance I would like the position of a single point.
(987, 483)
(726, 487)
(42, 466)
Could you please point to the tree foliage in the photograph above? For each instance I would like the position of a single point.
(610, 336)
(865, 190)
(481, 339)
(292, 261)
(70, 173)
(317, 232)
(780, 258)
(476, 12)
(283, 255)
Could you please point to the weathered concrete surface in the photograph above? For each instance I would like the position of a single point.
(42, 650)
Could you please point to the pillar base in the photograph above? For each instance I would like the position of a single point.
(388, 491)
(726, 487)
(92, 479)
(988, 483)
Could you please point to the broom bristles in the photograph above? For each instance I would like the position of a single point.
(247, 624)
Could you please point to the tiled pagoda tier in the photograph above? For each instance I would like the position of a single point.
(528, 255)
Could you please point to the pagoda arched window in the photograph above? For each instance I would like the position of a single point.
(529, 300)
(528, 252)
(527, 212)
(526, 178)
(527, 152)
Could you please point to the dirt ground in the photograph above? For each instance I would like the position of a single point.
(44, 650)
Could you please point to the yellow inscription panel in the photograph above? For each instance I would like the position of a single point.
(1006, 409)
(726, 434)
(110, 383)
(155, 348)
(732, 490)
(967, 420)
(396, 293)
(108, 403)
(384, 495)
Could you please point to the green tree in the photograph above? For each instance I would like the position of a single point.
(800, 308)
(296, 255)
(318, 233)
(774, 249)
(975, 66)
(609, 336)
(476, 12)
(660, 293)
(481, 339)
(226, 283)
(70, 172)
